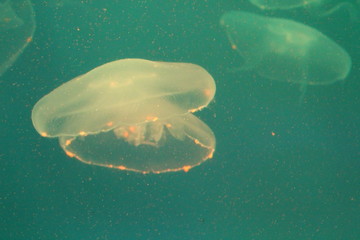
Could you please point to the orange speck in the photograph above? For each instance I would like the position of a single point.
(168, 125)
(273, 134)
(109, 124)
(132, 129)
(234, 47)
(211, 154)
(121, 167)
(113, 84)
(151, 118)
(196, 141)
(186, 168)
(68, 142)
(44, 134)
(207, 92)
(70, 154)
(125, 134)
(82, 133)
(29, 39)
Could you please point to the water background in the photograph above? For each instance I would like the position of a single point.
(280, 171)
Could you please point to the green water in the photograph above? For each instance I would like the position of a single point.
(281, 170)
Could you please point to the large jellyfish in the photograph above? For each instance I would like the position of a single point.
(285, 50)
(17, 26)
(132, 114)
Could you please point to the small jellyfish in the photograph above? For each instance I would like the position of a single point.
(17, 27)
(132, 114)
(285, 50)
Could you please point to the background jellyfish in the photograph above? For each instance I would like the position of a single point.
(317, 7)
(284, 4)
(65, 3)
(132, 114)
(9, 19)
(17, 26)
(285, 50)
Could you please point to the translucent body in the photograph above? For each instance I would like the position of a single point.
(319, 8)
(285, 50)
(132, 114)
(9, 19)
(17, 26)
(284, 4)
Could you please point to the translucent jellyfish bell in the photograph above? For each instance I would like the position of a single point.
(284, 4)
(132, 114)
(285, 50)
(315, 7)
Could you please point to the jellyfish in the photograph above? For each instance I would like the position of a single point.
(132, 114)
(17, 27)
(285, 50)
(9, 19)
(316, 7)
(284, 4)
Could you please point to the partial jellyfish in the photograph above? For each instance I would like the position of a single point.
(9, 19)
(285, 50)
(132, 114)
(284, 4)
(58, 4)
(17, 27)
(316, 7)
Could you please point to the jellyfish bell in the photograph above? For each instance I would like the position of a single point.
(132, 114)
(320, 8)
(129, 91)
(284, 4)
(285, 50)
